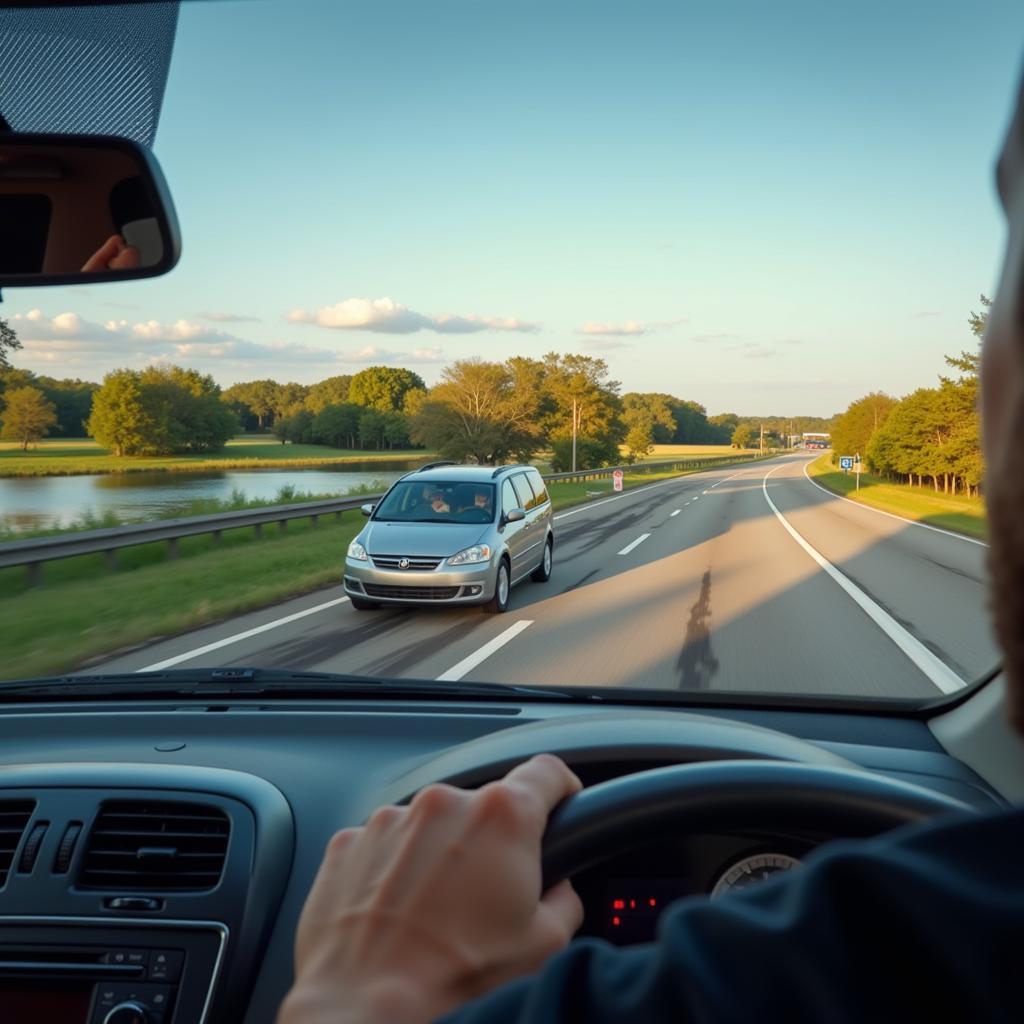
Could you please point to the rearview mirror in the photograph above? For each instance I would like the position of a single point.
(514, 515)
(77, 208)
(367, 509)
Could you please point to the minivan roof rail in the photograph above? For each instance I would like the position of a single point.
(507, 467)
(434, 465)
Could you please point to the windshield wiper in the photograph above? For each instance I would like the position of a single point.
(249, 682)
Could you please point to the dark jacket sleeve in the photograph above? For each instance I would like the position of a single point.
(924, 924)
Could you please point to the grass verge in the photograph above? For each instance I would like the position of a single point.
(78, 457)
(85, 609)
(950, 512)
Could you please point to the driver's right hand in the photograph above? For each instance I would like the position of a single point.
(405, 920)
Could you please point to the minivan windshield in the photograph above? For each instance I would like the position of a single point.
(437, 501)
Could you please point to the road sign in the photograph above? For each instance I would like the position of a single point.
(617, 479)
(846, 462)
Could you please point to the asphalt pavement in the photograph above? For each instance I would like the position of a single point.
(745, 578)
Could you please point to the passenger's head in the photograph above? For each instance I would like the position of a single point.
(482, 499)
(1002, 408)
(437, 501)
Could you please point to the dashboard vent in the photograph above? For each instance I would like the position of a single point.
(14, 817)
(141, 844)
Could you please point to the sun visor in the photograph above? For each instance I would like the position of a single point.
(97, 70)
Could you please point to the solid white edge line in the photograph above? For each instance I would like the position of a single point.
(677, 511)
(892, 515)
(456, 672)
(933, 668)
(634, 543)
(206, 648)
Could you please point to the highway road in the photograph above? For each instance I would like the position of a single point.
(747, 578)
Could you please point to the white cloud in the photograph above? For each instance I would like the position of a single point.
(228, 318)
(385, 316)
(627, 329)
(597, 345)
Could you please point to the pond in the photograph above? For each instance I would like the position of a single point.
(33, 503)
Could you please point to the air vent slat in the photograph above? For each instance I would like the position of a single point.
(155, 845)
(14, 819)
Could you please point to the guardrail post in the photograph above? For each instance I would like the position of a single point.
(218, 536)
(172, 547)
(257, 530)
(34, 573)
(110, 558)
(313, 521)
(282, 526)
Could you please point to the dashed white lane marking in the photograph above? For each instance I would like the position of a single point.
(456, 672)
(892, 515)
(936, 670)
(217, 644)
(635, 543)
(677, 511)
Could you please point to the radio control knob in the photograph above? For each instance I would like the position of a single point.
(127, 1013)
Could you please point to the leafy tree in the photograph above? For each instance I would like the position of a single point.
(330, 391)
(741, 436)
(8, 343)
(396, 430)
(338, 425)
(577, 388)
(288, 399)
(653, 412)
(297, 427)
(161, 410)
(639, 441)
(72, 400)
(478, 412)
(27, 416)
(383, 388)
(979, 321)
(371, 428)
(854, 429)
(120, 419)
(255, 398)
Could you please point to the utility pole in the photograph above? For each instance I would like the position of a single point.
(574, 434)
(762, 439)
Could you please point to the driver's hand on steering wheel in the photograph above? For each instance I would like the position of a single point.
(427, 906)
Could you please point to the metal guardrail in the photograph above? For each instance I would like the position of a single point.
(34, 552)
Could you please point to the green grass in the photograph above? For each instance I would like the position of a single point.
(73, 457)
(84, 610)
(950, 512)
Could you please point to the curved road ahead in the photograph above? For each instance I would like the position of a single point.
(741, 579)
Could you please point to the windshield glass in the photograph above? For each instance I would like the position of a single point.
(437, 501)
(708, 280)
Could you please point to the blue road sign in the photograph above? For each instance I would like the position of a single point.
(846, 462)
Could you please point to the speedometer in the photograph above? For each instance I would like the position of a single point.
(751, 870)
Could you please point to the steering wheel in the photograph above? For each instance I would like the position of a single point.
(615, 816)
(482, 515)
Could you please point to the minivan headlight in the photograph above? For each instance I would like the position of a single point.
(357, 551)
(467, 556)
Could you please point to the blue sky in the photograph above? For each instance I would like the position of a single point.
(768, 208)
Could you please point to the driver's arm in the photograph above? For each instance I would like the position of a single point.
(436, 909)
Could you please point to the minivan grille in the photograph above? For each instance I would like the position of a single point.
(410, 593)
(14, 818)
(417, 562)
(141, 844)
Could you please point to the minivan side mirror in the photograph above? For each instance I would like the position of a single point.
(367, 509)
(515, 515)
(77, 208)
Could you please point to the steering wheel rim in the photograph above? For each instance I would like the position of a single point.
(615, 816)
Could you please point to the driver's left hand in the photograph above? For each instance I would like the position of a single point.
(433, 904)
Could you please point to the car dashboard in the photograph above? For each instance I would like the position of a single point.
(155, 854)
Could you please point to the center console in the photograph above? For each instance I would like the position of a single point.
(135, 894)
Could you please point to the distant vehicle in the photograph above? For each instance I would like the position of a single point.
(448, 534)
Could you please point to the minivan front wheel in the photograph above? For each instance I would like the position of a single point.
(502, 589)
(543, 571)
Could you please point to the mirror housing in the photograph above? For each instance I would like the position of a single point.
(515, 515)
(367, 509)
(78, 209)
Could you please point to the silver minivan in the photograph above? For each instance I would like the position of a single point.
(451, 534)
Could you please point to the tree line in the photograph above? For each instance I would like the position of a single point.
(479, 410)
(933, 434)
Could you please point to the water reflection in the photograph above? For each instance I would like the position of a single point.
(33, 503)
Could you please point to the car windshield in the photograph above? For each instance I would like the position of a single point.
(702, 286)
(443, 501)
